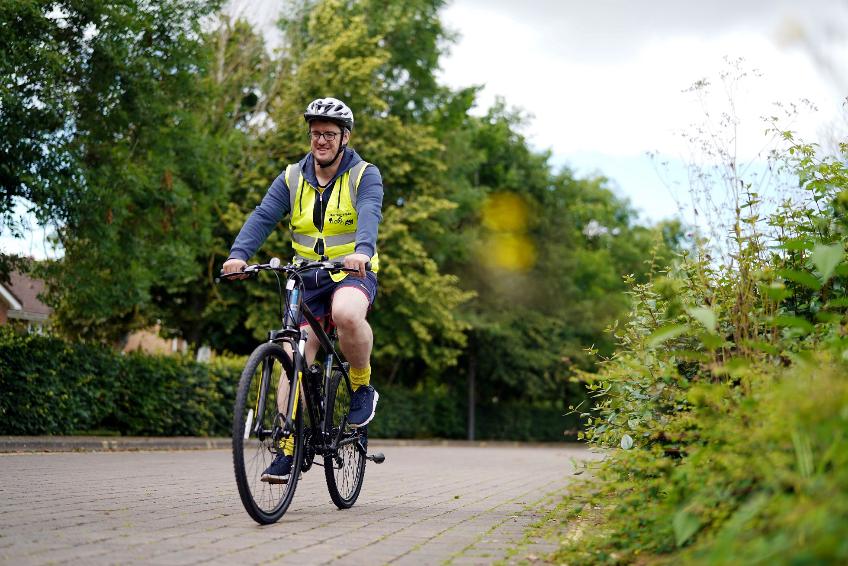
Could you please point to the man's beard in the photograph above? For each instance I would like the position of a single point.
(328, 162)
(325, 164)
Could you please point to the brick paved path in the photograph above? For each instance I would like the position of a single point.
(428, 504)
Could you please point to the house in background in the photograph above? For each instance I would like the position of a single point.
(19, 303)
(149, 341)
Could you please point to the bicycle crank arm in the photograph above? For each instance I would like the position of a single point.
(377, 457)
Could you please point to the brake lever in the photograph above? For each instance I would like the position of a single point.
(235, 275)
(339, 266)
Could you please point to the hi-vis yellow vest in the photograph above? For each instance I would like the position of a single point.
(338, 238)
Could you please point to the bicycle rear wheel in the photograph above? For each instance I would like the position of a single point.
(344, 471)
(255, 423)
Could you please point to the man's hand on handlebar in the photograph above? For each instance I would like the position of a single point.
(357, 262)
(234, 265)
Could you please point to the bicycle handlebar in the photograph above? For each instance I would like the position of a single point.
(297, 267)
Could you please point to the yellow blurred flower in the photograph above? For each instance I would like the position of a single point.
(505, 212)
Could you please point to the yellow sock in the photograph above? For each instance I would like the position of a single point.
(360, 376)
(287, 444)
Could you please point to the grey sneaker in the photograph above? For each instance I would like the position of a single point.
(363, 404)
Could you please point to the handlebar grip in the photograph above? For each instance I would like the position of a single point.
(337, 264)
(236, 274)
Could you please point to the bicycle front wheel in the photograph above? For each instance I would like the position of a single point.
(345, 470)
(255, 425)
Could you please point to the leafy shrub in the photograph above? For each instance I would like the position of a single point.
(526, 422)
(724, 413)
(53, 387)
(438, 412)
(421, 413)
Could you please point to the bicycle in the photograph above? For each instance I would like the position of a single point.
(313, 419)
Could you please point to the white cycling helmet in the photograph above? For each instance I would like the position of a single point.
(330, 109)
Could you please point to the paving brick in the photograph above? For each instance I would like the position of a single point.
(426, 505)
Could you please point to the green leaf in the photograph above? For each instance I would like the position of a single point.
(685, 525)
(627, 442)
(803, 453)
(775, 291)
(691, 355)
(762, 347)
(667, 332)
(711, 341)
(787, 321)
(828, 317)
(804, 359)
(705, 316)
(841, 302)
(804, 278)
(796, 244)
(826, 258)
(734, 367)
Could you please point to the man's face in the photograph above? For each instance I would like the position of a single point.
(324, 150)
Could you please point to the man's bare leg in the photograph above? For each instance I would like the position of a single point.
(282, 388)
(350, 305)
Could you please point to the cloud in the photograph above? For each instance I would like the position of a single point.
(608, 76)
(611, 29)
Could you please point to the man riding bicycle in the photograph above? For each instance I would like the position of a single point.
(334, 199)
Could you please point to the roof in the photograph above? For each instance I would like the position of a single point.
(23, 291)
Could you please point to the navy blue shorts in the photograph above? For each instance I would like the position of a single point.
(319, 287)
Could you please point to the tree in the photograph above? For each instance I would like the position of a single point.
(331, 43)
(547, 267)
(242, 79)
(103, 136)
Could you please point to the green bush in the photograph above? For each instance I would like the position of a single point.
(439, 412)
(53, 387)
(516, 421)
(724, 414)
(421, 413)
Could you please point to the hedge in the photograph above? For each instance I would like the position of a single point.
(49, 386)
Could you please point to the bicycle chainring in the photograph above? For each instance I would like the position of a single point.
(309, 456)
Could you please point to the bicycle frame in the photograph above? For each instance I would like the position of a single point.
(323, 429)
(296, 336)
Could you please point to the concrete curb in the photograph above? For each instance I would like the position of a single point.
(107, 443)
(29, 444)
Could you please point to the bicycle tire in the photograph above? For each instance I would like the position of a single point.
(344, 472)
(264, 502)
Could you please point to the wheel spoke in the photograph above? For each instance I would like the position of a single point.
(345, 476)
(264, 501)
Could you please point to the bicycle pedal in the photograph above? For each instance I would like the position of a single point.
(377, 457)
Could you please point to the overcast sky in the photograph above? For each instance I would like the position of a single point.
(603, 80)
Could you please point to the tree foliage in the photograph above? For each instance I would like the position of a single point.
(724, 408)
(415, 312)
(147, 139)
(101, 110)
(546, 286)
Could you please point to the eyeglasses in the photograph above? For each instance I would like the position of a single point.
(329, 136)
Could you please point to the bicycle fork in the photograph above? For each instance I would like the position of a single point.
(294, 400)
(254, 417)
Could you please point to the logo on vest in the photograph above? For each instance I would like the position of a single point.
(340, 218)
